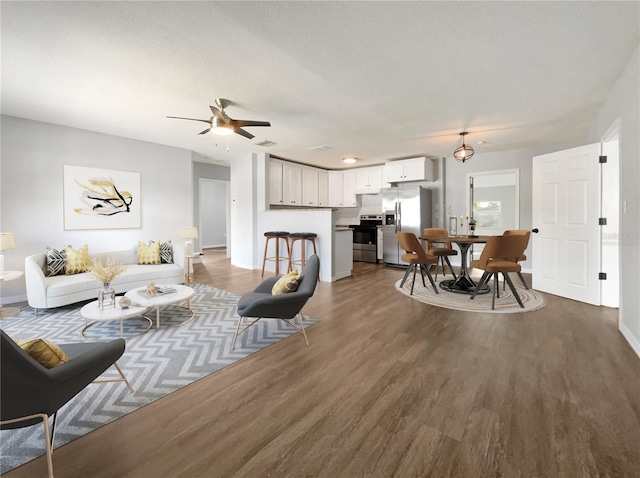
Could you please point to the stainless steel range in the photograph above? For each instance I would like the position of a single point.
(365, 238)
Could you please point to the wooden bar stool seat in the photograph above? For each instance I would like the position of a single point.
(303, 237)
(278, 236)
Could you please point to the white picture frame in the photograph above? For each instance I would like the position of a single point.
(96, 198)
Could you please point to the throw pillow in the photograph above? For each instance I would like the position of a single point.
(287, 283)
(77, 261)
(44, 352)
(56, 262)
(148, 254)
(166, 252)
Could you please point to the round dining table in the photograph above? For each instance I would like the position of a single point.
(463, 284)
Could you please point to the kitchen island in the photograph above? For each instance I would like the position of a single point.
(335, 244)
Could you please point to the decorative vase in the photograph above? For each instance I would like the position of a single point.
(453, 226)
(106, 297)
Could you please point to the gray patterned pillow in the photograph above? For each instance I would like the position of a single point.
(56, 262)
(166, 252)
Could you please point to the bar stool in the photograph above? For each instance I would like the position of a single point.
(303, 237)
(278, 236)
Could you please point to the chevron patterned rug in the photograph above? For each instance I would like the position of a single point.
(156, 363)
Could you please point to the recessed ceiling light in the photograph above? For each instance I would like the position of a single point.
(482, 141)
(319, 148)
(349, 159)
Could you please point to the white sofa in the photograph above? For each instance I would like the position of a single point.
(47, 292)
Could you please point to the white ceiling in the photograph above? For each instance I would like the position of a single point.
(378, 80)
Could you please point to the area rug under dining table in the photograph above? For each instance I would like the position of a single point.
(156, 363)
(505, 304)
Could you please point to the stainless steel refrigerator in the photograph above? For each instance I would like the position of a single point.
(405, 209)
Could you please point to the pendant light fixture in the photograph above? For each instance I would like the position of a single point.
(464, 152)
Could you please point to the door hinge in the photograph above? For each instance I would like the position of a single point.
(602, 276)
(602, 159)
(602, 221)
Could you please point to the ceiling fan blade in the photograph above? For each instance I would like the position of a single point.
(191, 119)
(205, 131)
(218, 114)
(244, 133)
(241, 123)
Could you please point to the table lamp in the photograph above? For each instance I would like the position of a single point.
(7, 243)
(188, 234)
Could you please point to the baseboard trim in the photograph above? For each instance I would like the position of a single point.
(626, 333)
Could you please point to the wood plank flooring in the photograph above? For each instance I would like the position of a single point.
(390, 387)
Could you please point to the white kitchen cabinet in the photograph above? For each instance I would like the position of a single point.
(335, 188)
(413, 169)
(349, 189)
(323, 188)
(369, 180)
(309, 187)
(291, 184)
(275, 182)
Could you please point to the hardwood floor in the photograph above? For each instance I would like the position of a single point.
(390, 387)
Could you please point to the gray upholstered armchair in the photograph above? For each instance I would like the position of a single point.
(29, 392)
(261, 304)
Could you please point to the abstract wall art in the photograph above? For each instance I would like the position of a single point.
(101, 199)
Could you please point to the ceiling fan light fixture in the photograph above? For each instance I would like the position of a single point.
(464, 152)
(349, 159)
(222, 130)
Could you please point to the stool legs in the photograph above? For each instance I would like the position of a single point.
(303, 251)
(277, 258)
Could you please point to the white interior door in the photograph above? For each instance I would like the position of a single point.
(566, 207)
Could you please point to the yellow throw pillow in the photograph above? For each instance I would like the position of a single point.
(286, 283)
(77, 261)
(148, 254)
(44, 352)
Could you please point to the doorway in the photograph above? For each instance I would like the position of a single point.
(576, 208)
(493, 199)
(610, 209)
(213, 220)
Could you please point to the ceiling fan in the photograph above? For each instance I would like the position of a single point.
(221, 124)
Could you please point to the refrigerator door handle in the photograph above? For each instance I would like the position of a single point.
(395, 222)
(399, 221)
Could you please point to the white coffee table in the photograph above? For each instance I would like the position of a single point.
(92, 312)
(182, 294)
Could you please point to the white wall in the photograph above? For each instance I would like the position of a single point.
(31, 166)
(243, 211)
(623, 103)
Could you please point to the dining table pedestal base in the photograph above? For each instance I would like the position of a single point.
(464, 286)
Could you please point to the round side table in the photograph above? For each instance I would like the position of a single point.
(9, 311)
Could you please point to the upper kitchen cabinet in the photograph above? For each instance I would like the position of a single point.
(291, 184)
(309, 187)
(323, 188)
(342, 188)
(369, 180)
(349, 188)
(335, 188)
(413, 169)
(275, 182)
